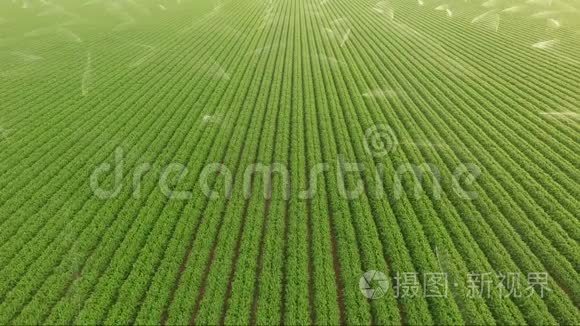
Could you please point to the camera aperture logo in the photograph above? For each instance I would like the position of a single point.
(380, 140)
(374, 284)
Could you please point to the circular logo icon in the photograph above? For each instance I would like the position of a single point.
(380, 140)
(374, 284)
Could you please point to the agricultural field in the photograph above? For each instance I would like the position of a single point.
(290, 162)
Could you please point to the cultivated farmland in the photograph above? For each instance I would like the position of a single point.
(289, 162)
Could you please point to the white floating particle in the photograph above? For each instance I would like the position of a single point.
(540, 2)
(87, 77)
(544, 45)
(545, 14)
(385, 7)
(70, 35)
(566, 115)
(142, 60)
(345, 38)
(489, 4)
(513, 9)
(563, 114)
(482, 16)
(489, 20)
(218, 72)
(554, 23)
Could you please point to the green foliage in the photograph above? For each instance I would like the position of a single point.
(288, 85)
